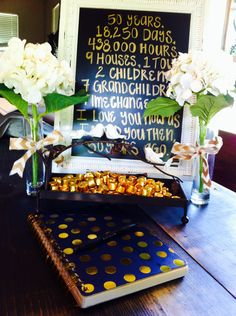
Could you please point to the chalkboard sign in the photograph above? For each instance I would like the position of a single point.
(121, 56)
(121, 59)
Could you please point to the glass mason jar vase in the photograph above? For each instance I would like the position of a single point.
(34, 168)
(200, 194)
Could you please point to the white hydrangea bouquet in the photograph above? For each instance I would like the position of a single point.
(206, 83)
(32, 78)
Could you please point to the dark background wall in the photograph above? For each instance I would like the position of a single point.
(34, 17)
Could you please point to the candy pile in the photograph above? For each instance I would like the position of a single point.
(111, 183)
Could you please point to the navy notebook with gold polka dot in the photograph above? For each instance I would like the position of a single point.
(129, 260)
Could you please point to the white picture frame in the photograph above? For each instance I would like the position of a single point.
(68, 42)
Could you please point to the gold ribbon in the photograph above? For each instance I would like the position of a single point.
(31, 147)
(187, 152)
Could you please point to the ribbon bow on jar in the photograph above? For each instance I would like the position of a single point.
(31, 147)
(188, 152)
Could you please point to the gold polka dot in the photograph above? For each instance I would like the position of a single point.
(125, 261)
(84, 258)
(128, 249)
(110, 269)
(129, 277)
(145, 269)
(110, 224)
(109, 285)
(112, 243)
(139, 234)
(145, 256)
(63, 235)
(83, 223)
(91, 219)
(95, 229)
(171, 250)
(54, 215)
(142, 244)
(91, 270)
(68, 219)
(165, 268)
(158, 243)
(48, 230)
(75, 230)
(106, 257)
(76, 242)
(68, 251)
(161, 254)
(62, 226)
(88, 288)
(108, 218)
(179, 262)
(126, 237)
(92, 236)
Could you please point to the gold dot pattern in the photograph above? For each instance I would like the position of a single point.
(77, 242)
(75, 230)
(129, 277)
(92, 236)
(63, 235)
(109, 285)
(128, 249)
(126, 237)
(158, 243)
(83, 223)
(125, 261)
(62, 226)
(69, 219)
(139, 234)
(110, 270)
(88, 288)
(162, 254)
(91, 219)
(145, 269)
(165, 268)
(68, 251)
(112, 243)
(108, 218)
(106, 257)
(128, 257)
(178, 262)
(95, 229)
(142, 244)
(91, 270)
(145, 256)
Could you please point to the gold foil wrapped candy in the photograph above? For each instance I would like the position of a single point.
(111, 183)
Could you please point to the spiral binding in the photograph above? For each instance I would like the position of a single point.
(58, 258)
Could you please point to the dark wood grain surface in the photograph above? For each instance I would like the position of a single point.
(30, 286)
(210, 235)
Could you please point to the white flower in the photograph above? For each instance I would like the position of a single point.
(33, 72)
(200, 72)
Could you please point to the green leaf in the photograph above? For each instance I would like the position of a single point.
(55, 102)
(14, 99)
(208, 105)
(162, 106)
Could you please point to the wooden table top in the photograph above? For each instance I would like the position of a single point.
(30, 286)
